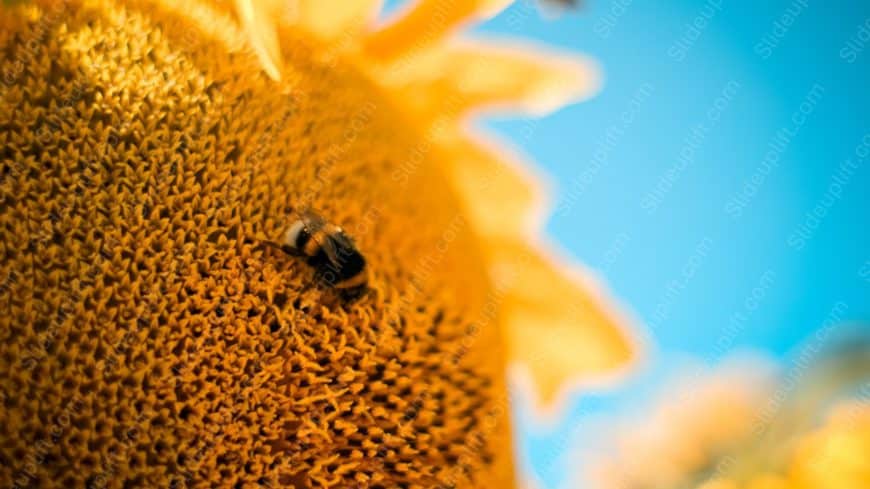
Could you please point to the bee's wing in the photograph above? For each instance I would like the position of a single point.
(327, 244)
(312, 220)
(344, 243)
(342, 240)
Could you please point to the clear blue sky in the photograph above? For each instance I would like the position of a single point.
(719, 163)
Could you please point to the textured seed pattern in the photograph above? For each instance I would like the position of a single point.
(149, 341)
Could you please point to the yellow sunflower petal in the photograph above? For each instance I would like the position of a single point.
(425, 23)
(259, 18)
(450, 79)
(500, 192)
(557, 322)
(335, 19)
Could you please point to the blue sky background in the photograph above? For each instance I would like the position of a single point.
(716, 258)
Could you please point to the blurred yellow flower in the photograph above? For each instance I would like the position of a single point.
(837, 455)
(766, 481)
(695, 420)
(749, 423)
(834, 456)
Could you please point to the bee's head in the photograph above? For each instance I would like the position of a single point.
(291, 237)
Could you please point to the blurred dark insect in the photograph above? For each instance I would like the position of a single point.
(553, 9)
(561, 3)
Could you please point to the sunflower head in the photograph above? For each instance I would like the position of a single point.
(150, 148)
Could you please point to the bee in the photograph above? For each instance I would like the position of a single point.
(330, 251)
(556, 7)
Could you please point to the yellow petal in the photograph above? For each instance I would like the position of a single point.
(259, 19)
(450, 79)
(559, 325)
(501, 195)
(426, 23)
(335, 19)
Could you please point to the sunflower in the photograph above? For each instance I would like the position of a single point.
(694, 423)
(833, 455)
(149, 148)
(749, 424)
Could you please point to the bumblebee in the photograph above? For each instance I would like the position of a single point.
(559, 5)
(330, 251)
(562, 3)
